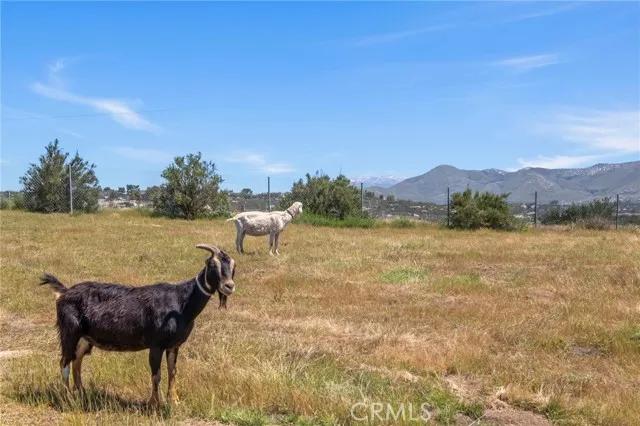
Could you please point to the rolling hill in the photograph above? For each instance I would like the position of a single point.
(563, 185)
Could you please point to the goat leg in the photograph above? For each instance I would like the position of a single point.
(83, 348)
(65, 370)
(172, 359)
(155, 359)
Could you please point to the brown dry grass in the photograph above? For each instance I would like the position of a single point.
(544, 321)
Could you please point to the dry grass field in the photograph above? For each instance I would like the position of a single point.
(497, 328)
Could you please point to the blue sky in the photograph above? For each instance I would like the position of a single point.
(281, 89)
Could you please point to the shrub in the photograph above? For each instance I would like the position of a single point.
(324, 196)
(480, 210)
(595, 214)
(191, 189)
(14, 201)
(596, 222)
(402, 222)
(348, 222)
(5, 203)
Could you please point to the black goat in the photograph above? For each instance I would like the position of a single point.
(157, 317)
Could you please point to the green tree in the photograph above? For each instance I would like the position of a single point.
(46, 184)
(191, 189)
(325, 196)
(480, 210)
(133, 193)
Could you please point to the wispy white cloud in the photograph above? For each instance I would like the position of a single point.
(558, 161)
(153, 156)
(390, 37)
(615, 132)
(258, 162)
(120, 111)
(540, 13)
(596, 134)
(528, 63)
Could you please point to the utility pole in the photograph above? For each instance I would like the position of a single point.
(448, 209)
(535, 209)
(361, 197)
(70, 192)
(617, 208)
(269, 193)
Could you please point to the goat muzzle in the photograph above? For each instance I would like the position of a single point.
(227, 288)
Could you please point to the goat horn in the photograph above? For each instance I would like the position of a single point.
(212, 249)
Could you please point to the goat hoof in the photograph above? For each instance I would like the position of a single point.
(154, 402)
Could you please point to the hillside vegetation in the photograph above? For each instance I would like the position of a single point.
(544, 324)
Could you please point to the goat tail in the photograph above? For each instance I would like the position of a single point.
(232, 218)
(58, 288)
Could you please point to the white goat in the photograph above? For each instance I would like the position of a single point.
(264, 223)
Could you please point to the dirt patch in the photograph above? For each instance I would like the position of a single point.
(585, 351)
(513, 417)
(472, 390)
(468, 389)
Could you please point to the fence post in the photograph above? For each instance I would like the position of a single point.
(535, 209)
(361, 197)
(269, 193)
(70, 192)
(617, 208)
(448, 209)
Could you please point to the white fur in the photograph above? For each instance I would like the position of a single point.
(264, 223)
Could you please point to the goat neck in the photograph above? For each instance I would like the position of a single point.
(290, 214)
(201, 291)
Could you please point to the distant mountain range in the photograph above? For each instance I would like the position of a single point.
(563, 185)
(376, 181)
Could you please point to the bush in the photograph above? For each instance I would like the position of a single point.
(402, 222)
(595, 214)
(481, 210)
(596, 222)
(191, 190)
(348, 222)
(14, 201)
(323, 196)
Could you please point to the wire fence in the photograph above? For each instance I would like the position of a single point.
(611, 211)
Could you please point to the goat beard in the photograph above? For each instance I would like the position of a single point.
(223, 301)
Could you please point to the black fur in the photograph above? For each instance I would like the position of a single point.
(124, 318)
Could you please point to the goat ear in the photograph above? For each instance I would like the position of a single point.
(211, 249)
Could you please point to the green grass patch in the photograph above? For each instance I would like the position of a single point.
(458, 284)
(347, 222)
(404, 275)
